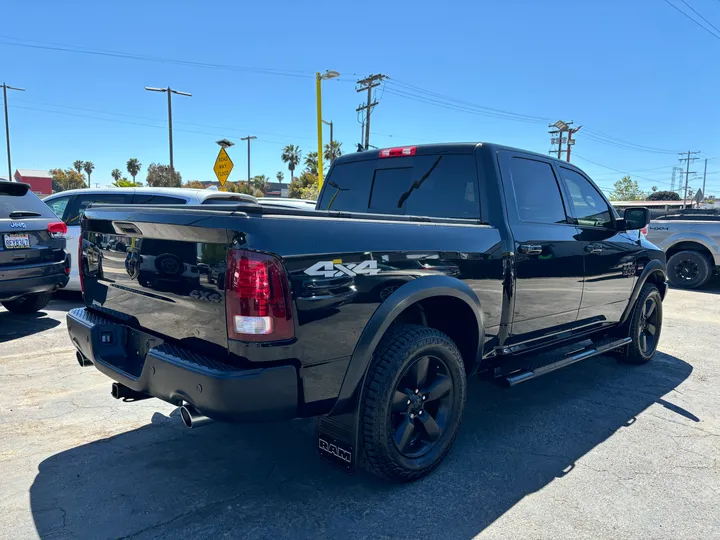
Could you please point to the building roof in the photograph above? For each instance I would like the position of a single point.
(33, 173)
(688, 202)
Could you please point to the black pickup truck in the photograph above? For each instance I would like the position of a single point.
(419, 267)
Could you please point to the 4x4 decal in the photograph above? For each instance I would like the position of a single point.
(333, 269)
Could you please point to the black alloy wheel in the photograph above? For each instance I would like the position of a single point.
(421, 406)
(687, 270)
(645, 326)
(412, 403)
(649, 325)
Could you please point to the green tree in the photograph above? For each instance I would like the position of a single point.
(311, 163)
(280, 176)
(116, 174)
(291, 155)
(663, 196)
(299, 187)
(78, 165)
(261, 183)
(159, 176)
(332, 151)
(626, 189)
(89, 167)
(133, 167)
(124, 182)
(64, 179)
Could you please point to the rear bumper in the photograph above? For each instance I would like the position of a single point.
(146, 364)
(32, 279)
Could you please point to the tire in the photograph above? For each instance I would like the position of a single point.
(689, 270)
(644, 320)
(170, 265)
(393, 420)
(28, 304)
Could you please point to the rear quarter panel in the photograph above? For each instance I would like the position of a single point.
(665, 234)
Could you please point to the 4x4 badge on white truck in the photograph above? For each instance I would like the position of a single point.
(333, 269)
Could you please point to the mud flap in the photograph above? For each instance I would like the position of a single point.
(336, 441)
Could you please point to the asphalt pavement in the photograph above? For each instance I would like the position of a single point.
(596, 450)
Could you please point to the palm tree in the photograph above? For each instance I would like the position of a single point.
(291, 155)
(261, 182)
(133, 167)
(280, 176)
(311, 162)
(332, 151)
(78, 165)
(116, 174)
(89, 167)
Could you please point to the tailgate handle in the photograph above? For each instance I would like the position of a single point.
(19, 257)
(128, 228)
(530, 249)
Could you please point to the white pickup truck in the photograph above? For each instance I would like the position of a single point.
(691, 241)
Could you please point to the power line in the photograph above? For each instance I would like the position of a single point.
(44, 45)
(713, 34)
(700, 15)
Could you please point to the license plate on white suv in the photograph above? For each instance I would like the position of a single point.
(17, 241)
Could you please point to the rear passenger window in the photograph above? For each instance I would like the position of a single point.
(537, 194)
(146, 198)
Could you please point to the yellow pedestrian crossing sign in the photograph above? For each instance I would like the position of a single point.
(223, 166)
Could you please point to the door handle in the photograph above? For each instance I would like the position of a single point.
(593, 248)
(530, 249)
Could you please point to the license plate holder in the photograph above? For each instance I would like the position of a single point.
(17, 241)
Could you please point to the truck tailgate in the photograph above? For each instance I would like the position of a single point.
(158, 270)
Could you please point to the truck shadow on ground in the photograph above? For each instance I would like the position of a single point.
(13, 326)
(258, 481)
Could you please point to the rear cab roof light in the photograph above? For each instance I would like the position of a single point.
(400, 151)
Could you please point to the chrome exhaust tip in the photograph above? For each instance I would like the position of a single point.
(192, 418)
(84, 362)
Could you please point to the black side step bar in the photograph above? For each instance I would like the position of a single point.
(559, 362)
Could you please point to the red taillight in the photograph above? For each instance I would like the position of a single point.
(257, 298)
(644, 231)
(398, 152)
(57, 228)
(80, 265)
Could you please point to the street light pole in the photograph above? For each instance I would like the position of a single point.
(7, 125)
(169, 91)
(248, 139)
(332, 157)
(318, 79)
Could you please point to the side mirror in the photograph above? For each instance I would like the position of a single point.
(636, 218)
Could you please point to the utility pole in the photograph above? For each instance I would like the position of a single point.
(5, 88)
(704, 177)
(560, 127)
(248, 139)
(367, 84)
(688, 160)
(169, 91)
(570, 140)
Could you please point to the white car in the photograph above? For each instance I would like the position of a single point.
(70, 205)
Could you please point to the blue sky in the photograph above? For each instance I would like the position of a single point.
(638, 72)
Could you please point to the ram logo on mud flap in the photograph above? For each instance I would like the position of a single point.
(335, 450)
(333, 269)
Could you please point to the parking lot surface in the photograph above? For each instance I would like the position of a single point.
(596, 450)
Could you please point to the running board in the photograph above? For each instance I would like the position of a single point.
(558, 362)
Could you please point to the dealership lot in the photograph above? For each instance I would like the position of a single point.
(599, 449)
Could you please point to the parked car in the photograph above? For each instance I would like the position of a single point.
(33, 262)
(70, 206)
(516, 266)
(691, 241)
